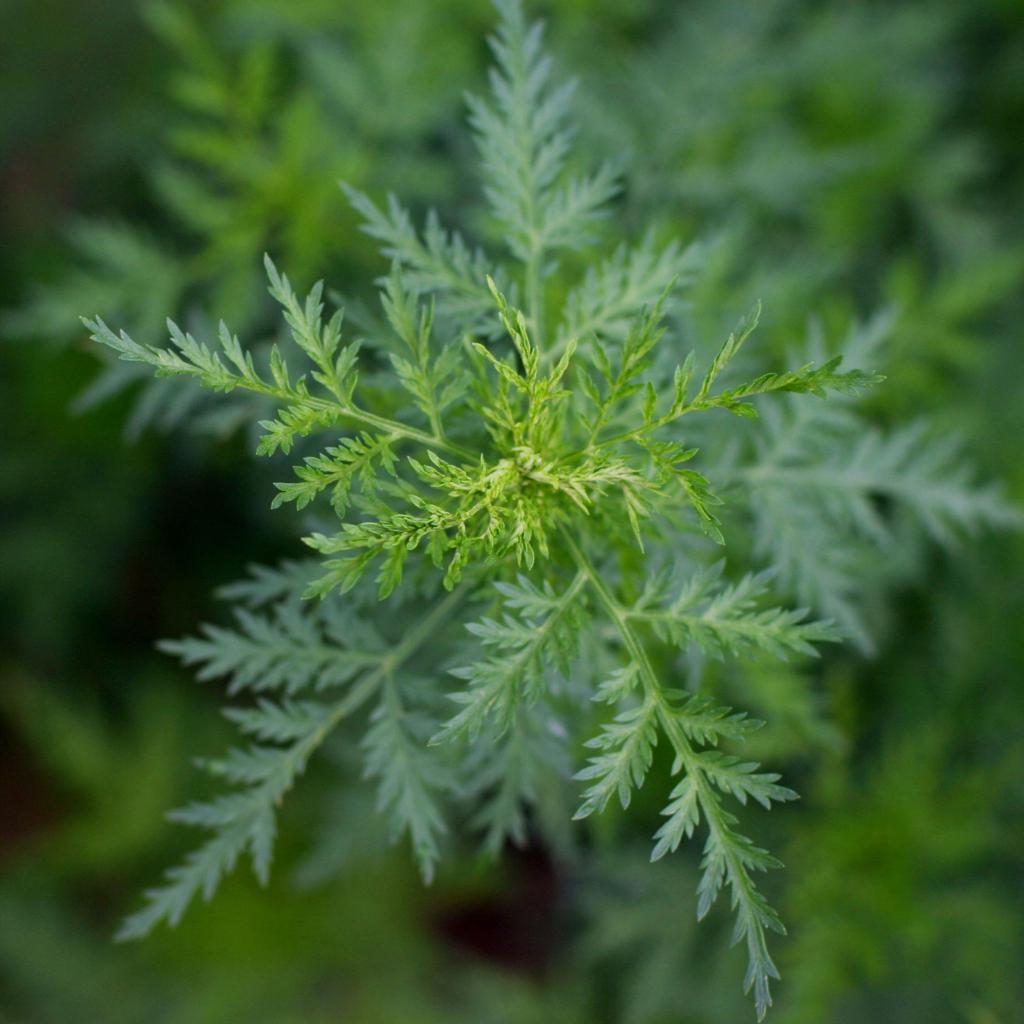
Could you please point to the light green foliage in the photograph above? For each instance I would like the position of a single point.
(410, 777)
(605, 302)
(765, 122)
(724, 619)
(524, 649)
(298, 651)
(524, 144)
(833, 499)
(544, 464)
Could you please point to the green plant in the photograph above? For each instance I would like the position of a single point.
(262, 117)
(518, 453)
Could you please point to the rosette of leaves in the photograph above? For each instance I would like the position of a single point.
(519, 523)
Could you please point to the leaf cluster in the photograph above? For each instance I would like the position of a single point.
(542, 466)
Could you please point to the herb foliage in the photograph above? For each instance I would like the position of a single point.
(536, 453)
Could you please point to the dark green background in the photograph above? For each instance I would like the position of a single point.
(860, 154)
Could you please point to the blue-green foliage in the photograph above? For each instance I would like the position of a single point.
(537, 442)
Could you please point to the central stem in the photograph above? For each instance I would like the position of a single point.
(535, 297)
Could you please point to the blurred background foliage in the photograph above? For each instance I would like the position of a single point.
(839, 160)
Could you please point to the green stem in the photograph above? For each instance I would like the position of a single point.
(535, 297)
(648, 677)
(423, 631)
(384, 424)
(742, 885)
(645, 428)
(620, 618)
(369, 419)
